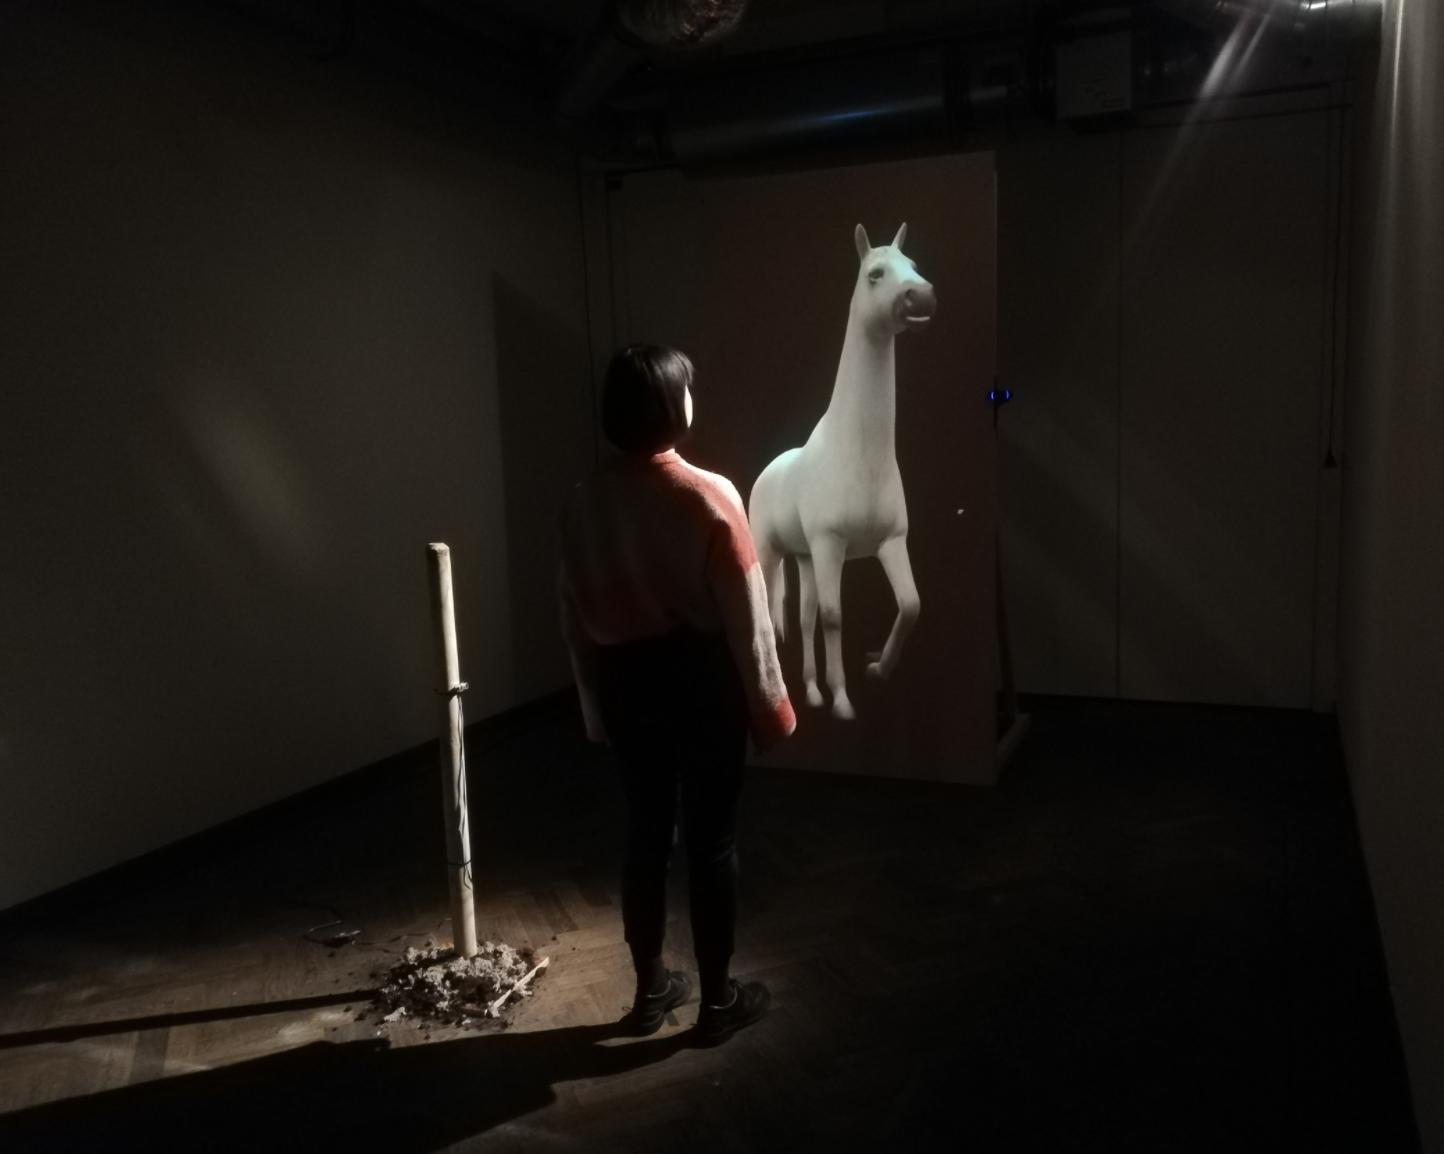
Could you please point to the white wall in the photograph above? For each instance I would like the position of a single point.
(1222, 378)
(1163, 311)
(267, 326)
(1058, 259)
(1392, 622)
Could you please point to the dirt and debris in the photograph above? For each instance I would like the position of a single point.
(433, 986)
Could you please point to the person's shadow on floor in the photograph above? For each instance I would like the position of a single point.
(339, 1096)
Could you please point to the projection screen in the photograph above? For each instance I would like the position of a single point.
(752, 276)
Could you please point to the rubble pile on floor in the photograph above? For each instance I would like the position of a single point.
(434, 986)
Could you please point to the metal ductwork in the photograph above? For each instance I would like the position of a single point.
(936, 96)
(1100, 65)
(1326, 21)
(830, 104)
(1208, 49)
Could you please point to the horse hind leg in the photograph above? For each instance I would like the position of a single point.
(807, 614)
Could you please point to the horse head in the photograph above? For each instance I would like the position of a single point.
(890, 295)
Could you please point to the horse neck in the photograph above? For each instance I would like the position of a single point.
(863, 410)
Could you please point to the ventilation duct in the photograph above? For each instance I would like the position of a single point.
(912, 99)
(1326, 21)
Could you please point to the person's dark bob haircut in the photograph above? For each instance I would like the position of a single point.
(644, 399)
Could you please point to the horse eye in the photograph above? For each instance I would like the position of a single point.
(875, 275)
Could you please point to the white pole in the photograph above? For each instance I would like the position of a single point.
(453, 754)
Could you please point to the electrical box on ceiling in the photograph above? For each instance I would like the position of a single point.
(1093, 76)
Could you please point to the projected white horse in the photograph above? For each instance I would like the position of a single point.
(840, 496)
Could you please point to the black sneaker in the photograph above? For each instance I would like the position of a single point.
(650, 1011)
(715, 1024)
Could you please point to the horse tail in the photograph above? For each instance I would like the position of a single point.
(774, 576)
(777, 597)
(762, 514)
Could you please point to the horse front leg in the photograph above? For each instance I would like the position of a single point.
(894, 557)
(807, 612)
(828, 554)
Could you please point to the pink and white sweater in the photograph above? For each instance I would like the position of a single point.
(651, 544)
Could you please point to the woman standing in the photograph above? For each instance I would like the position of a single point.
(664, 609)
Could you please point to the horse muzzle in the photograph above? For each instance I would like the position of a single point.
(915, 307)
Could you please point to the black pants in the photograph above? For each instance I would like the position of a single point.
(676, 716)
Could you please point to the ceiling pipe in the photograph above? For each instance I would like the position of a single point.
(931, 98)
(835, 103)
(955, 91)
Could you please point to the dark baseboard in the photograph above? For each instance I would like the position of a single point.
(1057, 703)
(179, 855)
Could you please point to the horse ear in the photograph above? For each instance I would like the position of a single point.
(859, 237)
(902, 235)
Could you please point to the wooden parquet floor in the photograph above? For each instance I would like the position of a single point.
(1154, 935)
